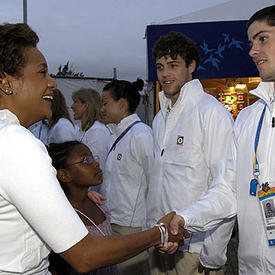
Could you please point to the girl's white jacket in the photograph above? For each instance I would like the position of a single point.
(126, 172)
(233, 181)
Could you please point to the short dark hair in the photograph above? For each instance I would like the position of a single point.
(266, 14)
(174, 44)
(14, 38)
(127, 90)
(60, 153)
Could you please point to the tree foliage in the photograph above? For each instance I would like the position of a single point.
(67, 70)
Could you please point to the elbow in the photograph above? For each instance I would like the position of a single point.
(84, 265)
(82, 257)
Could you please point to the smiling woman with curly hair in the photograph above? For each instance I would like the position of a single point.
(35, 215)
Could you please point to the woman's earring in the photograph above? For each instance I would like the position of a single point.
(7, 92)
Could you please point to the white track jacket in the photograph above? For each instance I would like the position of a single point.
(255, 256)
(189, 142)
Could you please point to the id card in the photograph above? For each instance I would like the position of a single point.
(267, 202)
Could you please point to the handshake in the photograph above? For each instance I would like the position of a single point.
(172, 233)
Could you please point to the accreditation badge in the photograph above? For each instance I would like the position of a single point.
(267, 202)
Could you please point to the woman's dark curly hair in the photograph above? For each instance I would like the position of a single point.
(127, 90)
(174, 44)
(14, 38)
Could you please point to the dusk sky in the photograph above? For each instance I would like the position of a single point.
(96, 36)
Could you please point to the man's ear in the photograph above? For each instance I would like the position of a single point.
(64, 175)
(192, 66)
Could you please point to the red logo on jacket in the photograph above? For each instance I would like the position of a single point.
(180, 140)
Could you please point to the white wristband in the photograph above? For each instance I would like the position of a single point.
(163, 228)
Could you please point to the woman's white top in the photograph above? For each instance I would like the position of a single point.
(35, 215)
(62, 131)
(40, 131)
(99, 139)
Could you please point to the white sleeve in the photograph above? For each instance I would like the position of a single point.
(28, 181)
(218, 127)
(99, 142)
(62, 131)
(142, 150)
(219, 202)
(213, 252)
(217, 133)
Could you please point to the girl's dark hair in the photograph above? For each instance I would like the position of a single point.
(266, 14)
(60, 153)
(14, 38)
(59, 108)
(127, 90)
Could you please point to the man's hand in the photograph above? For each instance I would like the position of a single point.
(96, 197)
(174, 240)
(176, 223)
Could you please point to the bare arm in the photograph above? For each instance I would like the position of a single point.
(94, 252)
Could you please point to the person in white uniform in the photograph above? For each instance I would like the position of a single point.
(40, 130)
(35, 215)
(191, 133)
(61, 127)
(93, 132)
(246, 180)
(128, 165)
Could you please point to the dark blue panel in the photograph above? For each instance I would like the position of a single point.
(223, 48)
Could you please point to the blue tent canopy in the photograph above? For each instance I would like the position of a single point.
(223, 48)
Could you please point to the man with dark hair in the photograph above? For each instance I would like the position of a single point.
(247, 174)
(191, 133)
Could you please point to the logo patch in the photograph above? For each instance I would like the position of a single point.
(180, 140)
(119, 156)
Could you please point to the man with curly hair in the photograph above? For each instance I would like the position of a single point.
(191, 134)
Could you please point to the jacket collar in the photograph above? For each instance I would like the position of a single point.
(265, 91)
(8, 117)
(188, 94)
(117, 129)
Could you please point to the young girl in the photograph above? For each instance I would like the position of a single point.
(77, 169)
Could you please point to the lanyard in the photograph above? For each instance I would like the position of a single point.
(256, 171)
(122, 135)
